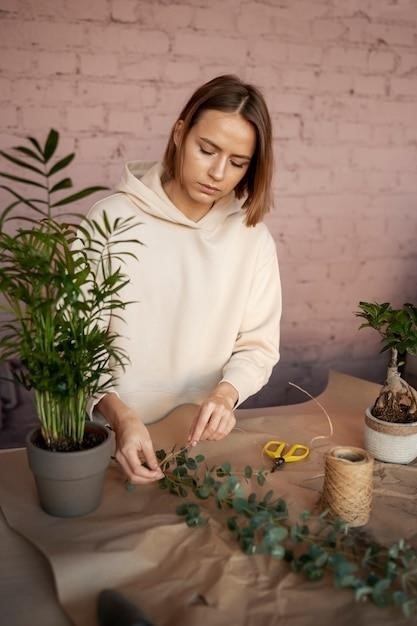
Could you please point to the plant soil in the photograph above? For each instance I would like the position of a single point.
(92, 438)
(397, 401)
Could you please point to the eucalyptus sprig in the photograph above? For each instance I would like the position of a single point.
(314, 545)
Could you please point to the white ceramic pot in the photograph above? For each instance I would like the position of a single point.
(389, 441)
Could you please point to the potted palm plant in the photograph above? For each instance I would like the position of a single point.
(391, 423)
(59, 279)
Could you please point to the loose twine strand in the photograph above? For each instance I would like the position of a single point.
(329, 436)
(324, 411)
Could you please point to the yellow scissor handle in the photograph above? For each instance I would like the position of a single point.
(274, 449)
(296, 452)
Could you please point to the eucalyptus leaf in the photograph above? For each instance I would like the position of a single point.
(239, 504)
(260, 479)
(277, 534)
(380, 592)
(203, 492)
(180, 471)
(314, 573)
(409, 608)
(182, 509)
(191, 463)
(362, 593)
(248, 471)
(277, 551)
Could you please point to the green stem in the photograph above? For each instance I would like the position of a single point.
(48, 416)
(61, 419)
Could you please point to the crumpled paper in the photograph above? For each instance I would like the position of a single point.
(179, 576)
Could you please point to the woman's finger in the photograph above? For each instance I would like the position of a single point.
(200, 423)
(141, 475)
(134, 468)
(213, 424)
(224, 427)
(150, 456)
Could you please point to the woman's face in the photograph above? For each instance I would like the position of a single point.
(217, 153)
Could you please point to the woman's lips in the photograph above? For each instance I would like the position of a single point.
(208, 189)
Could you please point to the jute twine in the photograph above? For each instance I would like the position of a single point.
(347, 486)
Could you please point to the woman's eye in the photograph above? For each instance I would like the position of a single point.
(206, 151)
(240, 165)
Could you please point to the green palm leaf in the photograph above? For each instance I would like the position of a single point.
(21, 163)
(28, 202)
(24, 181)
(65, 183)
(59, 165)
(51, 144)
(28, 152)
(78, 196)
(35, 143)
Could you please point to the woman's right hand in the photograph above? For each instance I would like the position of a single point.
(134, 448)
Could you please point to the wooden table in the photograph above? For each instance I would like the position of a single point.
(137, 544)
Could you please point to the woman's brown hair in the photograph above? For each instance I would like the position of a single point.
(229, 94)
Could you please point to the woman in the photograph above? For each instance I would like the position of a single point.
(204, 326)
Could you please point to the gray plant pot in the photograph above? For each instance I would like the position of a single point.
(70, 484)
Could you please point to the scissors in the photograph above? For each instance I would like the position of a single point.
(282, 453)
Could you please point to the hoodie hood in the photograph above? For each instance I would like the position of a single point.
(141, 182)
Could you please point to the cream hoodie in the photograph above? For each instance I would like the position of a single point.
(207, 298)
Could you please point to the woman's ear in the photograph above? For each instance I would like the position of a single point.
(178, 130)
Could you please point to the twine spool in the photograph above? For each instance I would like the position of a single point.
(347, 486)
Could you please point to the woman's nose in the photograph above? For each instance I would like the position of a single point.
(217, 169)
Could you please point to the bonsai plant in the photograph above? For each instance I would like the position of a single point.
(59, 280)
(396, 403)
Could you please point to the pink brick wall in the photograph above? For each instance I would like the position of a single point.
(340, 77)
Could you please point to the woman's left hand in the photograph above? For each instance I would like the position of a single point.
(215, 418)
